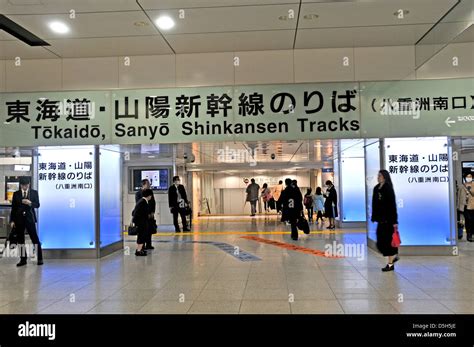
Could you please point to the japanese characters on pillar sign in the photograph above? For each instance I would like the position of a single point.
(246, 113)
(67, 175)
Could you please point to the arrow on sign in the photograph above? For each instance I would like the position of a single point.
(449, 122)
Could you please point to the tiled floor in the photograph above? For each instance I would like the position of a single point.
(180, 277)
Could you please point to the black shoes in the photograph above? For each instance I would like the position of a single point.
(186, 230)
(149, 248)
(21, 263)
(141, 253)
(40, 262)
(388, 267)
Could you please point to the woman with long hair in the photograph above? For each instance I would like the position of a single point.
(319, 205)
(266, 196)
(384, 212)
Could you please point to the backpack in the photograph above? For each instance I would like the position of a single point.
(308, 201)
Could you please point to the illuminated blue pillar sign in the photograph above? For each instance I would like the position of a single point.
(66, 184)
(419, 168)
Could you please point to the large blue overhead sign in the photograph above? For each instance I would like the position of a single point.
(239, 113)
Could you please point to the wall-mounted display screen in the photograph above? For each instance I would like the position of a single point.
(159, 177)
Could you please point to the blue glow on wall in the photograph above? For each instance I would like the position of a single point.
(423, 191)
(110, 199)
(372, 167)
(66, 188)
(352, 197)
(353, 190)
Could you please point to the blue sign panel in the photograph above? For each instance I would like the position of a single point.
(419, 168)
(66, 187)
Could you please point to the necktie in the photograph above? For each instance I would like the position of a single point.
(24, 195)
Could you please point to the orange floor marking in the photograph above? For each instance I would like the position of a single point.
(290, 246)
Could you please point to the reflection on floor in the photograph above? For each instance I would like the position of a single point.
(185, 276)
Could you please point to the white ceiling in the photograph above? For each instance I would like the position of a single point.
(107, 27)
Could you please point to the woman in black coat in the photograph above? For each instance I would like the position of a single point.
(140, 215)
(384, 212)
(330, 205)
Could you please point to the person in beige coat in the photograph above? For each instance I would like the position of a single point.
(465, 205)
(276, 195)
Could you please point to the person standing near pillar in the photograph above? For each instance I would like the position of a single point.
(178, 202)
(141, 219)
(466, 196)
(384, 212)
(23, 217)
(330, 204)
(151, 213)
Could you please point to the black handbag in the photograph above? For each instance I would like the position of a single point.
(303, 224)
(12, 238)
(188, 211)
(152, 227)
(132, 230)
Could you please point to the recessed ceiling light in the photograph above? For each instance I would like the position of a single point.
(311, 16)
(59, 27)
(165, 22)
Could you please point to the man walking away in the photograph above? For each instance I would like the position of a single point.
(252, 191)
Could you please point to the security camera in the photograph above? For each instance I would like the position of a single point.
(189, 158)
(16, 153)
(273, 156)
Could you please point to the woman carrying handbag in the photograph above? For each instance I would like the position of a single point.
(384, 212)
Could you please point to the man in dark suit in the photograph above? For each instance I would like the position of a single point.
(23, 217)
(292, 205)
(178, 201)
(151, 212)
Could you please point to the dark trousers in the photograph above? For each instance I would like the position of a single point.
(294, 228)
(460, 224)
(318, 216)
(142, 233)
(147, 236)
(310, 214)
(278, 205)
(182, 213)
(469, 218)
(30, 228)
